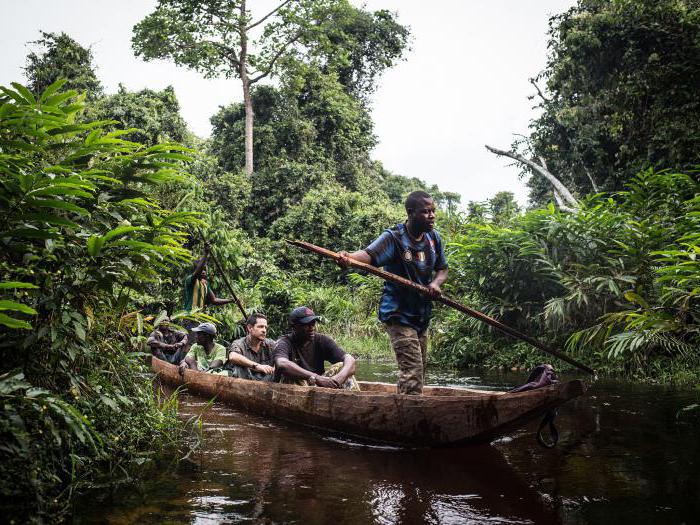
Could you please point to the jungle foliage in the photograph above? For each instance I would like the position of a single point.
(76, 192)
(619, 94)
(616, 284)
(102, 182)
(104, 211)
(57, 56)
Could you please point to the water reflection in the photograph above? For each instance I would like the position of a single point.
(622, 458)
(252, 469)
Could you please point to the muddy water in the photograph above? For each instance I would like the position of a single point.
(623, 457)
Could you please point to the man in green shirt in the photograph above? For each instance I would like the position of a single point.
(197, 290)
(206, 354)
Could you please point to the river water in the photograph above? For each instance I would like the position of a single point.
(627, 454)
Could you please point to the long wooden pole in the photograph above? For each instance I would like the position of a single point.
(223, 276)
(445, 300)
(228, 284)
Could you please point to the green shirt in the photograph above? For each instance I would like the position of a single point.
(203, 361)
(196, 292)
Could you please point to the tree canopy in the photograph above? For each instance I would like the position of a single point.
(61, 57)
(621, 93)
(154, 114)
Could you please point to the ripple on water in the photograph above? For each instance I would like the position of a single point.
(358, 444)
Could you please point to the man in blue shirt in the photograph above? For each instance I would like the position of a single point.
(412, 250)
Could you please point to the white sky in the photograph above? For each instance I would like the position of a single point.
(464, 83)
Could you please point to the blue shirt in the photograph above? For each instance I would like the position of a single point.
(398, 253)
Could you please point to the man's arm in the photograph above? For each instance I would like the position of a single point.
(438, 281)
(360, 255)
(216, 363)
(240, 360)
(202, 262)
(213, 299)
(291, 369)
(347, 370)
(188, 362)
(155, 343)
(181, 343)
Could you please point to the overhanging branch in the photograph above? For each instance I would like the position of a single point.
(563, 191)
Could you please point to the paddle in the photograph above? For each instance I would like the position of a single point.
(445, 300)
(223, 276)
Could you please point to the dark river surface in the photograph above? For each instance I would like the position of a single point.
(625, 455)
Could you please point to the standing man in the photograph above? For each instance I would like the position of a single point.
(300, 355)
(206, 355)
(197, 291)
(414, 251)
(250, 357)
(167, 344)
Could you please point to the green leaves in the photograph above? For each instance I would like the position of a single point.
(16, 307)
(15, 285)
(11, 322)
(8, 305)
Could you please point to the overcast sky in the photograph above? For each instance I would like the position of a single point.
(463, 84)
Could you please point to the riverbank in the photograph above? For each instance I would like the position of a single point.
(519, 358)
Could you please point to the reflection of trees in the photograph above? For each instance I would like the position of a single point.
(253, 468)
(298, 475)
(620, 449)
(451, 485)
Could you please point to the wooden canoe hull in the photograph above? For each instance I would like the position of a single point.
(440, 417)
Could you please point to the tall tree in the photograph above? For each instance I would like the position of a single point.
(619, 93)
(62, 57)
(221, 37)
(357, 46)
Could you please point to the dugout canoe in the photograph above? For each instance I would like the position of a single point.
(440, 417)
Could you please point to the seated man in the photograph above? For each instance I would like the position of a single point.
(299, 355)
(206, 354)
(250, 357)
(166, 343)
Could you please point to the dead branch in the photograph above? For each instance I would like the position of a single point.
(539, 91)
(564, 193)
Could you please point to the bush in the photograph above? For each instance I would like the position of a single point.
(81, 235)
(623, 267)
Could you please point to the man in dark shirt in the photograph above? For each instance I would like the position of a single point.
(300, 355)
(412, 250)
(250, 357)
(166, 343)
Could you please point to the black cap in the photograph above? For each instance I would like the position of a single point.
(302, 315)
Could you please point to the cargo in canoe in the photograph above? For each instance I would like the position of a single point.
(440, 417)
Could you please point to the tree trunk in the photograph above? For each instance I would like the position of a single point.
(247, 101)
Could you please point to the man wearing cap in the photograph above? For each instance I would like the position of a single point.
(206, 354)
(166, 343)
(412, 250)
(300, 355)
(250, 357)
